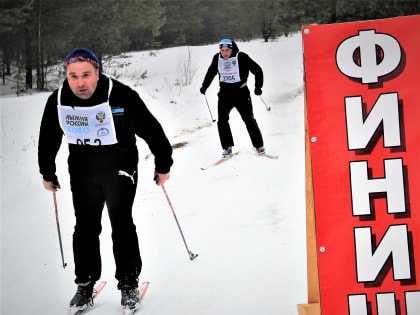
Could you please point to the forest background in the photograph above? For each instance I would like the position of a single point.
(36, 35)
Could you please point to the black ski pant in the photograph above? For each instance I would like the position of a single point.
(90, 193)
(240, 99)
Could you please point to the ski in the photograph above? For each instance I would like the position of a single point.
(270, 156)
(98, 288)
(142, 292)
(223, 159)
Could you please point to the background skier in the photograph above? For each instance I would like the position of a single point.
(233, 68)
(100, 117)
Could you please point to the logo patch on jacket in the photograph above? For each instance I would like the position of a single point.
(117, 111)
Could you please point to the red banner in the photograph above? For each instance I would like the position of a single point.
(363, 99)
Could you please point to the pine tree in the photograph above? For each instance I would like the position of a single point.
(13, 17)
(184, 22)
(146, 18)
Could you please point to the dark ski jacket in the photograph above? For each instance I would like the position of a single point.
(132, 118)
(246, 64)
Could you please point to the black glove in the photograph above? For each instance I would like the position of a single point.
(258, 91)
(203, 90)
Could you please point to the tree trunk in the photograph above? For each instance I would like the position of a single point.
(28, 60)
(39, 67)
(3, 72)
(7, 62)
(43, 65)
(333, 12)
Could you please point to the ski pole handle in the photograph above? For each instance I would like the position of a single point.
(54, 183)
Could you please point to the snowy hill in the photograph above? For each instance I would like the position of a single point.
(244, 218)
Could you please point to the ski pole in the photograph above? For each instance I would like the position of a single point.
(54, 185)
(268, 108)
(213, 120)
(190, 254)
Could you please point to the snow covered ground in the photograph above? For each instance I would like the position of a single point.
(244, 218)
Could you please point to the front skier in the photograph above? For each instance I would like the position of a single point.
(100, 117)
(233, 67)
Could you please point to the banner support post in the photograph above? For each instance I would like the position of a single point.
(314, 306)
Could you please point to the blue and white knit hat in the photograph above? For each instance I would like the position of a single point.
(225, 43)
(81, 54)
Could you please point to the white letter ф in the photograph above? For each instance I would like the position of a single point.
(369, 71)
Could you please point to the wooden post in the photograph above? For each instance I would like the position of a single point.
(313, 307)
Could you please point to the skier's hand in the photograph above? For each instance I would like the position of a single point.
(203, 90)
(258, 91)
(51, 186)
(160, 179)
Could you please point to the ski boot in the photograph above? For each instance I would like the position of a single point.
(83, 297)
(227, 152)
(260, 150)
(130, 298)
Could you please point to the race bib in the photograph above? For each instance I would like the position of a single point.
(229, 70)
(88, 125)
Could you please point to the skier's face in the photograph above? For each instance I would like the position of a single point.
(225, 52)
(83, 78)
